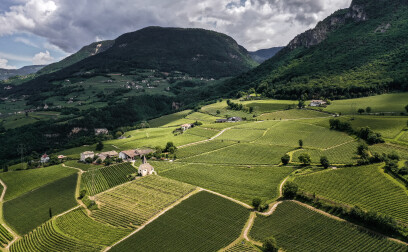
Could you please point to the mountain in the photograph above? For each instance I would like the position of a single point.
(264, 54)
(357, 51)
(7, 73)
(85, 52)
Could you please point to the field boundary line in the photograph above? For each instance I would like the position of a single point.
(332, 147)
(208, 152)
(207, 140)
(5, 225)
(248, 229)
(346, 221)
(197, 190)
(228, 198)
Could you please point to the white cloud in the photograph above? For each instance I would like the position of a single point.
(43, 58)
(26, 42)
(4, 64)
(71, 24)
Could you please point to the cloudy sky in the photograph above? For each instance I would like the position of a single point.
(44, 31)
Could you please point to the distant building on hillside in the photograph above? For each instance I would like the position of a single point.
(221, 120)
(45, 158)
(317, 103)
(102, 131)
(235, 119)
(87, 154)
(186, 126)
(130, 155)
(109, 154)
(145, 168)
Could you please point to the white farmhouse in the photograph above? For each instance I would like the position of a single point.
(317, 103)
(45, 158)
(87, 154)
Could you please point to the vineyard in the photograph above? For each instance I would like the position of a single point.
(390, 148)
(297, 228)
(242, 183)
(201, 148)
(32, 209)
(243, 154)
(201, 132)
(292, 114)
(21, 182)
(243, 135)
(168, 119)
(366, 186)
(5, 236)
(389, 127)
(48, 238)
(79, 165)
(132, 204)
(78, 225)
(204, 222)
(243, 246)
(101, 179)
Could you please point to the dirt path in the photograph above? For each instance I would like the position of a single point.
(4, 190)
(204, 141)
(228, 198)
(155, 217)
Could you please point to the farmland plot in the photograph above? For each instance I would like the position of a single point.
(204, 222)
(201, 148)
(389, 127)
(243, 154)
(5, 236)
(297, 228)
(366, 186)
(292, 114)
(243, 135)
(242, 183)
(158, 122)
(134, 203)
(102, 179)
(402, 151)
(202, 132)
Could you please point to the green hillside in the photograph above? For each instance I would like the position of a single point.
(354, 52)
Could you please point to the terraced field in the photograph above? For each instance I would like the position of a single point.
(242, 183)
(134, 203)
(78, 225)
(21, 182)
(101, 179)
(297, 228)
(204, 222)
(292, 114)
(288, 133)
(366, 186)
(243, 154)
(47, 237)
(343, 154)
(32, 209)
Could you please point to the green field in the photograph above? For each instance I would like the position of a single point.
(5, 236)
(243, 135)
(243, 246)
(81, 165)
(168, 119)
(30, 210)
(389, 127)
(243, 154)
(297, 228)
(366, 186)
(242, 183)
(204, 222)
(201, 148)
(48, 238)
(103, 178)
(292, 114)
(202, 132)
(402, 151)
(134, 203)
(380, 103)
(77, 224)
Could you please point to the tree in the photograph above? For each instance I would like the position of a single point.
(256, 203)
(368, 110)
(289, 190)
(360, 111)
(88, 160)
(270, 245)
(99, 146)
(251, 109)
(301, 104)
(305, 159)
(406, 108)
(324, 161)
(285, 159)
(50, 212)
(108, 161)
(361, 148)
(118, 134)
(301, 143)
(5, 168)
(218, 112)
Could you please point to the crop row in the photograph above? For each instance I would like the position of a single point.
(134, 203)
(297, 228)
(5, 236)
(202, 148)
(243, 246)
(99, 180)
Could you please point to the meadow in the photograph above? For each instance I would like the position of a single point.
(32, 209)
(239, 182)
(365, 186)
(101, 179)
(204, 222)
(297, 228)
(134, 203)
(21, 182)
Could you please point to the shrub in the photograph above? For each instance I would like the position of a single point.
(270, 245)
(99, 146)
(256, 203)
(301, 143)
(290, 190)
(285, 159)
(324, 161)
(361, 148)
(305, 159)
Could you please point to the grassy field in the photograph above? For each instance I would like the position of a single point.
(168, 119)
(297, 228)
(243, 246)
(78, 225)
(201, 148)
(380, 103)
(30, 210)
(134, 203)
(242, 183)
(243, 154)
(389, 126)
(204, 222)
(402, 151)
(292, 114)
(103, 178)
(48, 238)
(366, 186)
(20, 182)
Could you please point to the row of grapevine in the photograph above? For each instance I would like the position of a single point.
(243, 246)
(5, 236)
(297, 228)
(48, 238)
(198, 149)
(366, 186)
(98, 180)
(134, 203)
